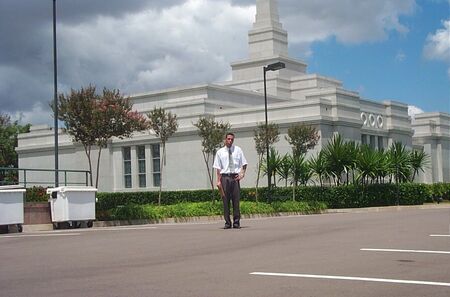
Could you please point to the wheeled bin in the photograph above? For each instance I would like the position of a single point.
(71, 205)
(11, 206)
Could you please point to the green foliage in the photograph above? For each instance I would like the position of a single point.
(418, 160)
(8, 142)
(337, 158)
(354, 196)
(143, 205)
(437, 191)
(111, 200)
(299, 206)
(212, 134)
(399, 162)
(272, 164)
(260, 133)
(302, 138)
(284, 168)
(264, 136)
(194, 209)
(93, 119)
(164, 124)
(318, 166)
(36, 194)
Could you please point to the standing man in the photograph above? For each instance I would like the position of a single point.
(230, 164)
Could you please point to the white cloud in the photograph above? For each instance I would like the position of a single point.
(181, 42)
(413, 110)
(437, 45)
(347, 21)
(400, 57)
(189, 43)
(39, 114)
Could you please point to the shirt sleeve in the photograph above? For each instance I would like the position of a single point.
(217, 163)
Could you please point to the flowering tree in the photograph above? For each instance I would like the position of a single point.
(302, 138)
(212, 134)
(92, 119)
(261, 141)
(164, 124)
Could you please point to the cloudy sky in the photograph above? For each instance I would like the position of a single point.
(383, 49)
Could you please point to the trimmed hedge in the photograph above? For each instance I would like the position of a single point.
(192, 209)
(350, 196)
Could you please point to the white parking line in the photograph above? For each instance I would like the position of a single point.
(118, 228)
(364, 279)
(406, 251)
(440, 235)
(39, 235)
(121, 228)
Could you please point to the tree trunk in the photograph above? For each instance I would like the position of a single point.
(98, 167)
(160, 180)
(293, 190)
(87, 150)
(205, 158)
(257, 177)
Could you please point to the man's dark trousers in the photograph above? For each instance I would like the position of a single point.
(232, 191)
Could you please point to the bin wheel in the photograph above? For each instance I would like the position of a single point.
(19, 228)
(55, 226)
(74, 225)
(89, 224)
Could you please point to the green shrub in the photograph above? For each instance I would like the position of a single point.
(185, 209)
(36, 194)
(346, 196)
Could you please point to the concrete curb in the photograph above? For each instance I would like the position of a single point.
(388, 208)
(37, 227)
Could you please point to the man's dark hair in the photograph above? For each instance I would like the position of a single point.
(229, 133)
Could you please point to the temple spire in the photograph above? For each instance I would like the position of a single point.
(267, 14)
(267, 38)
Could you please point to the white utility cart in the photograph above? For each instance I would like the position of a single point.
(72, 205)
(11, 206)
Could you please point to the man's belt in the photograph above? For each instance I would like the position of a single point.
(229, 174)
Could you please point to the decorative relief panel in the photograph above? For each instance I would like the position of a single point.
(372, 120)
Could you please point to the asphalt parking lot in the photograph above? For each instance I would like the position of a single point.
(388, 253)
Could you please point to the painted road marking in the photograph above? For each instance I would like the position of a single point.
(406, 251)
(351, 278)
(118, 228)
(440, 235)
(39, 235)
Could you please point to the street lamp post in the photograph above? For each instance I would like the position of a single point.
(55, 96)
(271, 67)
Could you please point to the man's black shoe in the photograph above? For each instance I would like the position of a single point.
(236, 226)
(227, 226)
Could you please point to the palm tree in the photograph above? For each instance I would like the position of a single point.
(382, 166)
(300, 172)
(264, 135)
(318, 166)
(399, 162)
(270, 166)
(367, 160)
(336, 156)
(350, 160)
(284, 168)
(419, 160)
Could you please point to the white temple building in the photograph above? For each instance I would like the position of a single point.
(294, 96)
